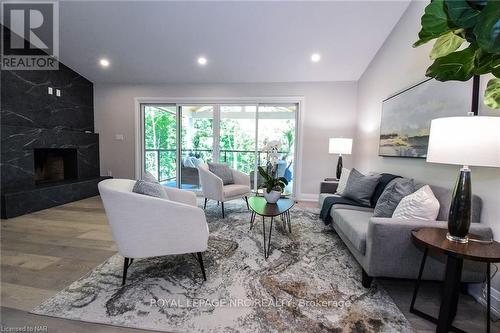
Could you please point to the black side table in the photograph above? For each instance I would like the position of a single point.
(259, 206)
(434, 239)
(329, 185)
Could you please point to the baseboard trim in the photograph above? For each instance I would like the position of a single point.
(307, 197)
(476, 292)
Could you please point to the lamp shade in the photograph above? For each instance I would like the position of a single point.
(467, 141)
(340, 146)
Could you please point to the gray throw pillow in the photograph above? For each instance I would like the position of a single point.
(222, 171)
(149, 188)
(359, 187)
(396, 190)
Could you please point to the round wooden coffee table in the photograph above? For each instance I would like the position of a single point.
(259, 206)
(434, 240)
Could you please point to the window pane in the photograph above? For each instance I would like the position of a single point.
(237, 137)
(197, 142)
(277, 122)
(160, 142)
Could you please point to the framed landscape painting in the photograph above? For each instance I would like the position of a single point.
(406, 116)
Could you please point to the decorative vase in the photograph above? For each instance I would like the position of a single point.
(272, 197)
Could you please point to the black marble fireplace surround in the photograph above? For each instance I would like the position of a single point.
(39, 131)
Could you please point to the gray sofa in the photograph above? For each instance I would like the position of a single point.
(384, 248)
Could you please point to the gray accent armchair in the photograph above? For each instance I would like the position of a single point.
(214, 189)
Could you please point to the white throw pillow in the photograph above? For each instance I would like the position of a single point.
(343, 180)
(420, 205)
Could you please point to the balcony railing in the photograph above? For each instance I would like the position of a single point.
(225, 156)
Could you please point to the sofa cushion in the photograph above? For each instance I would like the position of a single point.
(354, 225)
(396, 190)
(350, 207)
(222, 171)
(235, 190)
(334, 200)
(360, 188)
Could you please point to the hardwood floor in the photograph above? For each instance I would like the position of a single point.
(43, 252)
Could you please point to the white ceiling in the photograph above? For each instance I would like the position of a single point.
(159, 42)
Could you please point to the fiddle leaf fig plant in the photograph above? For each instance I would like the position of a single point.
(467, 42)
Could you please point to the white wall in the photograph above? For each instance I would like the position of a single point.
(396, 66)
(329, 110)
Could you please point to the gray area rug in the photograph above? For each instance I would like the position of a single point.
(310, 283)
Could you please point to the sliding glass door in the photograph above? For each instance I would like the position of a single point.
(277, 123)
(197, 136)
(237, 136)
(160, 142)
(177, 138)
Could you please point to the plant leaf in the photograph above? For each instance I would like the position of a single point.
(284, 180)
(457, 66)
(434, 22)
(496, 72)
(495, 65)
(269, 188)
(445, 45)
(461, 13)
(492, 94)
(486, 63)
(263, 173)
(487, 29)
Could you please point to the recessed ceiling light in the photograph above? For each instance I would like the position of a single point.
(104, 62)
(315, 57)
(202, 61)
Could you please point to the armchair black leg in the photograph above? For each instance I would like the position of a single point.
(126, 263)
(366, 280)
(200, 261)
(205, 205)
(222, 205)
(246, 200)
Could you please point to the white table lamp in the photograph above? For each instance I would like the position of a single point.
(466, 141)
(340, 146)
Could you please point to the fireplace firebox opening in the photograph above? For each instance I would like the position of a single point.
(55, 164)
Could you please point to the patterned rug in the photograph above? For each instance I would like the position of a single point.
(310, 283)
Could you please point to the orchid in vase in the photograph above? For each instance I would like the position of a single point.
(273, 185)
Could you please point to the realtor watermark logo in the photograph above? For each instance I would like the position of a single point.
(30, 35)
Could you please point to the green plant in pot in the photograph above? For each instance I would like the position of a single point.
(273, 185)
(467, 45)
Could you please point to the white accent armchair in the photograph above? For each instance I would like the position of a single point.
(214, 189)
(145, 226)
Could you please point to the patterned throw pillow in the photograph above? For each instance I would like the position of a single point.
(150, 188)
(421, 205)
(343, 180)
(222, 171)
(360, 188)
(396, 190)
